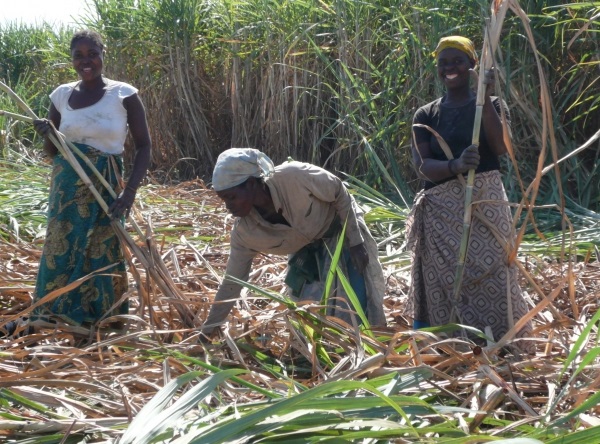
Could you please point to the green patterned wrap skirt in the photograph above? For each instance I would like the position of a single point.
(79, 241)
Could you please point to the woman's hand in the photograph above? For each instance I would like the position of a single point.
(468, 160)
(489, 80)
(123, 203)
(42, 126)
(359, 257)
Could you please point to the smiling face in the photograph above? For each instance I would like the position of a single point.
(453, 67)
(239, 200)
(88, 59)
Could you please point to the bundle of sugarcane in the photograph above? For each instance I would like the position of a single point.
(148, 256)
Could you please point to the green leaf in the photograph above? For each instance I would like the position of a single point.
(152, 420)
(246, 425)
(18, 399)
(589, 403)
(583, 337)
(587, 436)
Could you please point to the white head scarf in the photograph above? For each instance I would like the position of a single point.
(235, 165)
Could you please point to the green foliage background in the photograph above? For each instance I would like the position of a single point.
(323, 81)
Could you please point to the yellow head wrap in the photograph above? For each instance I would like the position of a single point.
(455, 41)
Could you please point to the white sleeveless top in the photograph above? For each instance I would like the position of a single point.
(102, 125)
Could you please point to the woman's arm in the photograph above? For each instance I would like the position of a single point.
(328, 188)
(238, 266)
(490, 117)
(435, 170)
(138, 127)
(490, 120)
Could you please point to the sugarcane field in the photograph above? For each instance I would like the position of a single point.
(301, 221)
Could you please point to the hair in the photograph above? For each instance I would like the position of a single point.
(87, 34)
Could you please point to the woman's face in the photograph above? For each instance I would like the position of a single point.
(453, 67)
(239, 200)
(88, 59)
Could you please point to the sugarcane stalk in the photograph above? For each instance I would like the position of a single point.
(159, 275)
(16, 116)
(467, 215)
(60, 141)
(62, 144)
(72, 146)
(490, 42)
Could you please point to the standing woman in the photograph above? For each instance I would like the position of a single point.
(95, 114)
(490, 295)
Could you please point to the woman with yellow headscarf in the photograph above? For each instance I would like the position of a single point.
(490, 295)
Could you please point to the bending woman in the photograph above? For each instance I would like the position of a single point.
(294, 209)
(490, 294)
(95, 114)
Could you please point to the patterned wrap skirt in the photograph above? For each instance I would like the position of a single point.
(490, 293)
(80, 240)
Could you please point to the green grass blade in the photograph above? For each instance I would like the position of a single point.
(154, 421)
(587, 436)
(576, 347)
(232, 431)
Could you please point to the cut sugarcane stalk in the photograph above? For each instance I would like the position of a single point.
(490, 43)
(467, 217)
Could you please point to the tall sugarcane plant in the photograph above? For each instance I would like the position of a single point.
(490, 44)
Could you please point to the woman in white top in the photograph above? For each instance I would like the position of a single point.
(95, 113)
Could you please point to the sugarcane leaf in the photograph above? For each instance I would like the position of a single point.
(155, 420)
